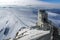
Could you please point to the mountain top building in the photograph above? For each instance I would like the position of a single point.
(43, 21)
(46, 24)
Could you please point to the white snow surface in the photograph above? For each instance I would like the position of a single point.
(32, 34)
(14, 20)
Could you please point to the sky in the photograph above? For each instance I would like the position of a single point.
(33, 3)
(52, 1)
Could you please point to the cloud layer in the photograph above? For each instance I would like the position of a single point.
(34, 3)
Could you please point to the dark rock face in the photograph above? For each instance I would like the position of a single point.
(55, 31)
(1, 30)
(6, 31)
(55, 34)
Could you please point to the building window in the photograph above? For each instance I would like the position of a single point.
(44, 20)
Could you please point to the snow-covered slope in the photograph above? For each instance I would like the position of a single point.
(8, 22)
(12, 19)
(32, 34)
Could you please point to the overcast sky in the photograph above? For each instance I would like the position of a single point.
(36, 3)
